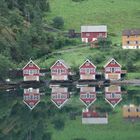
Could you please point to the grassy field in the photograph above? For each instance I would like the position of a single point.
(116, 14)
(116, 129)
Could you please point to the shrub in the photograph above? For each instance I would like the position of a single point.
(58, 22)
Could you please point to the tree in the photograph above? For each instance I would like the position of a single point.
(5, 65)
(129, 64)
(58, 22)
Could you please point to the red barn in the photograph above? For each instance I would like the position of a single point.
(92, 33)
(87, 95)
(31, 97)
(112, 70)
(59, 96)
(60, 70)
(31, 71)
(87, 70)
(113, 95)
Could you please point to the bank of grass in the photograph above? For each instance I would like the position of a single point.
(134, 75)
(116, 14)
(116, 129)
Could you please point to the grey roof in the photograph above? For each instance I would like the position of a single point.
(99, 28)
(131, 32)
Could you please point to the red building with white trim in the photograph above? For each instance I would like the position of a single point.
(112, 70)
(87, 71)
(113, 95)
(87, 95)
(31, 71)
(31, 97)
(59, 96)
(60, 70)
(92, 33)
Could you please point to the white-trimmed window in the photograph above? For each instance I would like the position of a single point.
(107, 69)
(25, 71)
(31, 65)
(82, 70)
(87, 70)
(58, 64)
(112, 62)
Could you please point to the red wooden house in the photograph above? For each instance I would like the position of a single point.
(31, 71)
(59, 96)
(113, 95)
(31, 97)
(112, 70)
(87, 95)
(92, 33)
(94, 117)
(87, 70)
(60, 70)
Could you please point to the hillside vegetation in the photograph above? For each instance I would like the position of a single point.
(24, 32)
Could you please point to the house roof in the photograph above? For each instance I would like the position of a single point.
(89, 62)
(113, 105)
(62, 62)
(31, 107)
(31, 61)
(110, 61)
(59, 106)
(131, 32)
(99, 28)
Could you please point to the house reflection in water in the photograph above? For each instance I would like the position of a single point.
(59, 96)
(131, 111)
(31, 97)
(94, 117)
(87, 95)
(113, 95)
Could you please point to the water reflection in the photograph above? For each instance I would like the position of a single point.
(131, 112)
(88, 95)
(90, 116)
(31, 97)
(59, 96)
(113, 95)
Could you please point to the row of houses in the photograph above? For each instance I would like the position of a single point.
(130, 37)
(61, 71)
(60, 96)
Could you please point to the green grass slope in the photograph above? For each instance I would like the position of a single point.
(116, 14)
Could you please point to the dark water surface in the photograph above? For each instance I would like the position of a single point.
(70, 113)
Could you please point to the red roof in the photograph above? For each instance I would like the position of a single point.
(116, 64)
(35, 66)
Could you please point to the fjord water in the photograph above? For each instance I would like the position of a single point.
(56, 113)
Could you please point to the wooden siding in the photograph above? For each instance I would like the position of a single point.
(131, 42)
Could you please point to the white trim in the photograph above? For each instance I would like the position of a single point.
(29, 63)
(60, 63)
(110, 61)
(61, 104)
(31, 108)
(114, 104)
(87, 60)
(89, 104)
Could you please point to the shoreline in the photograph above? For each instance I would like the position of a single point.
(27, 84)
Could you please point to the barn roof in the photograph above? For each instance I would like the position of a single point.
(131, 32)
(110, 61)
(61, 61)
(99, 28)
